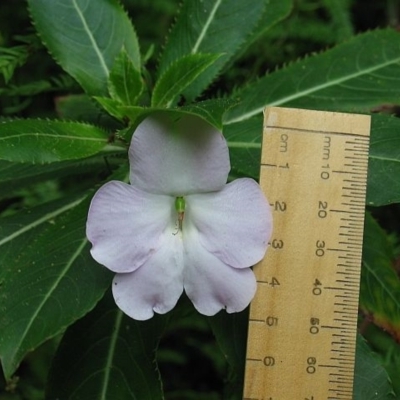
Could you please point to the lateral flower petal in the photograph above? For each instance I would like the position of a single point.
(156, 286)
(234, 224)
(125, 224)
(178, 157)
(211, 284)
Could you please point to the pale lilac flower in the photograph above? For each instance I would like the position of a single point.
(178, 225)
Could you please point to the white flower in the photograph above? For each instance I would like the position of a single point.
(178, 225)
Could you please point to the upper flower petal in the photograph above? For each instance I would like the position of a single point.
(234, 224)
(178, 156)
(156, 286)
(125, 224)
(211, 284)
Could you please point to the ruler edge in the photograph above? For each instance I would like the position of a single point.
(363, 132)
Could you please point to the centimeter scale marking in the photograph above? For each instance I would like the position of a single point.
(303, 319)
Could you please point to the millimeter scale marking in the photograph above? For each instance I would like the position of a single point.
(303, 319)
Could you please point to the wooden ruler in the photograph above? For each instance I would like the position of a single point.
(303, 320)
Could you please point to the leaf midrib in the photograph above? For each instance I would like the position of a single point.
(50, 292)
(91, 38)
(41, 220)
(206, 26)
(41, 135)
(383, 158)
(244, 145)
(110, 355)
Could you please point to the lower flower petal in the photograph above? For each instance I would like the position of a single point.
(211, 284)
(125, 224)
(154, 287)
(234, 224)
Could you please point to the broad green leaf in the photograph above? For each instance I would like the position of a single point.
(384, 161)
(44, 141)
(179, 75)
(275, 11)
(48, 278)
(210, 26)
(107, 355)
(371, 381)
(352, 77)
(15, 176)
(85, 37)
(380, 284)
(125, 83)
(230, 331)
(244, 141)
(386, 348)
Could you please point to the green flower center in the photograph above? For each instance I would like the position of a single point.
(180, 205)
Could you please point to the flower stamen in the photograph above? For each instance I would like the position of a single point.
(180, 205)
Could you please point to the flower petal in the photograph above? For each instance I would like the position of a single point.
(234, 224)
(212, 285)
(177, 157)
(156, 286)
(124, 225)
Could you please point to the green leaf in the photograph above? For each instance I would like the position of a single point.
(85, 37)
(48, 278)
(386, 348)
(275, 11)
(230, 330)
(14, 176)
(39, 141)
(107, 355)
(384, 161)
(113, 107)
(380, 285)
(55, 83)
(125, 83)
(207, 27)
(244, 142)
(179, 75)
(211, 111)
(371, 381)
(352, 77)
(82, 108)
(11, 58)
